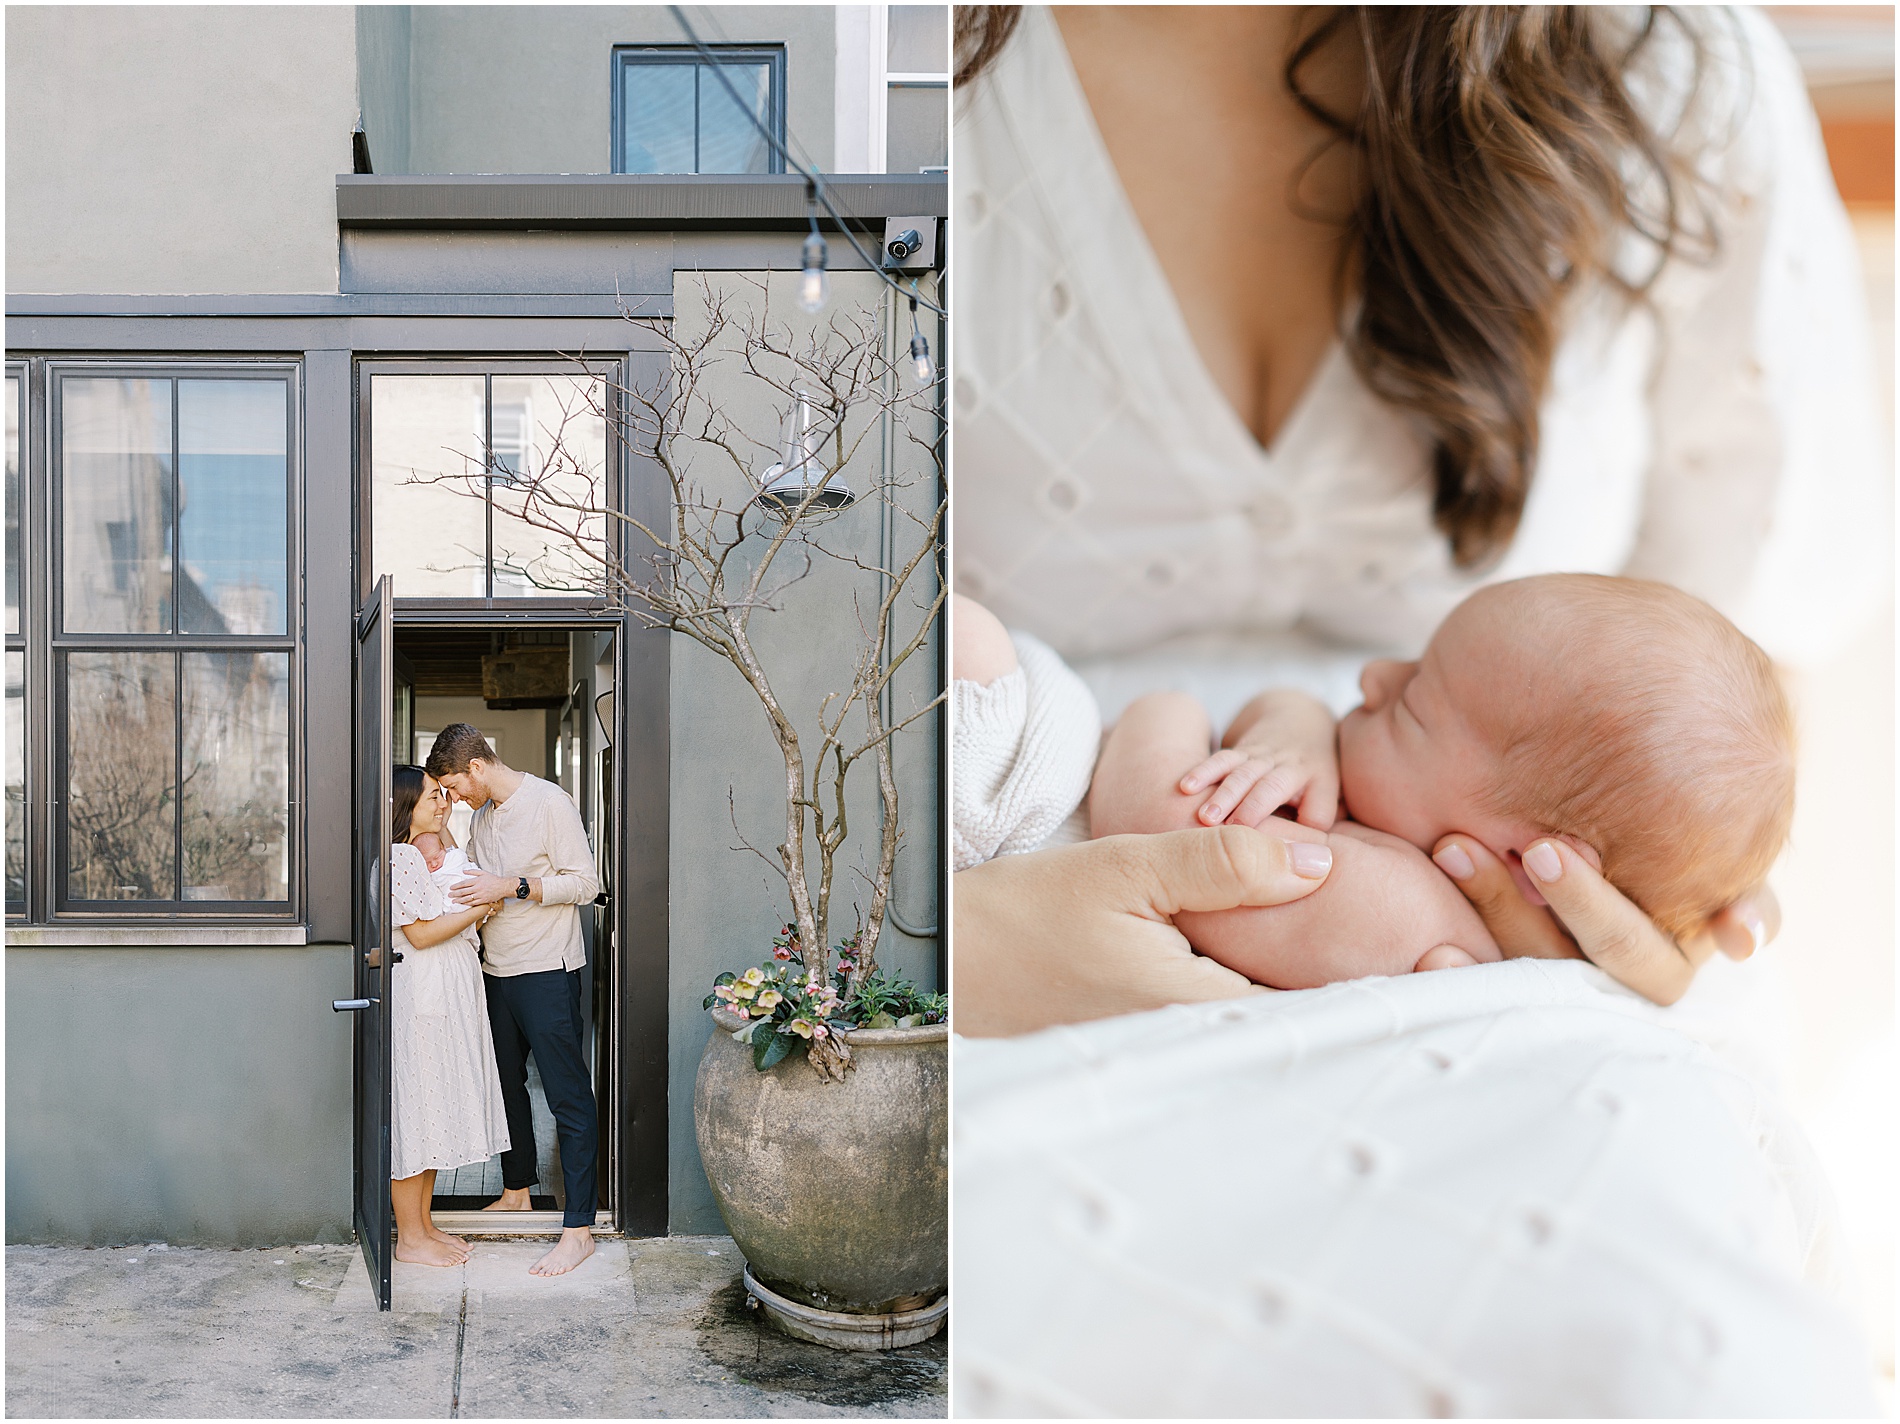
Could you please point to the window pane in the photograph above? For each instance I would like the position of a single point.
(656, 107)
(16, 777)
(234, 493)
(236, 790)
(430, 514)
(919, 39)
(13, 505)
(116, 504)
(120, 762)
(917, 128)
(549, 532)
(729, 142)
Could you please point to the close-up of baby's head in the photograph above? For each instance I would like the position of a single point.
(1626, 716)
(430, 844)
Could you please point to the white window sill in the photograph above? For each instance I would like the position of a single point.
(149, 936)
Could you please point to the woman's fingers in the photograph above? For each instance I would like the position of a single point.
(1747, 925)
(1612, 931)
(1522, 930)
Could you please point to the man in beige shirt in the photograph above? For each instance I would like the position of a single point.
(537, 865)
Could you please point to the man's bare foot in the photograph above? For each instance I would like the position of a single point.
(450, 1240)
(511, 1199)
(576, 1245)
(428, 1252)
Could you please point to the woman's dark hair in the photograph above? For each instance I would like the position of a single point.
(405, 789)
(1500, 157)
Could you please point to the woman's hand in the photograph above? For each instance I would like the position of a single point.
(426, 934)
(1280, 750)
(1590, 918)
(1083, 932)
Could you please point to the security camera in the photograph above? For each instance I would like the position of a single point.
(905, 243)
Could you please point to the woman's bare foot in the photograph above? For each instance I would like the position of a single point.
(450, 1240)
(511, 1199)
(427, 1252)
(576, 1245)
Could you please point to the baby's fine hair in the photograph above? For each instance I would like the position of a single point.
(1671, 749)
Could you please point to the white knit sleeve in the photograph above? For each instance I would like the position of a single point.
(1022, 751)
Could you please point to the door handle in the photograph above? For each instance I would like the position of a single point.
(350, 1006)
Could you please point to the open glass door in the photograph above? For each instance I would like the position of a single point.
(370, 1078)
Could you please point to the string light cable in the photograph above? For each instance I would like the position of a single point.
(815, 187)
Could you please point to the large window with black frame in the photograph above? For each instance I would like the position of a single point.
(171, 628)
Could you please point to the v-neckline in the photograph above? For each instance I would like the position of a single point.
(1141, 280)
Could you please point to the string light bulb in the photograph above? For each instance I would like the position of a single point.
(920, 363)
(814, 283)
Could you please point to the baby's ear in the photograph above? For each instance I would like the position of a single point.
(1584, 849)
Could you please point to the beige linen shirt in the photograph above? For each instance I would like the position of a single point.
(536, 832)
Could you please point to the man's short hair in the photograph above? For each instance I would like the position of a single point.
(456, 745)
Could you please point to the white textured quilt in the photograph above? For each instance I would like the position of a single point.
(1506, 1190)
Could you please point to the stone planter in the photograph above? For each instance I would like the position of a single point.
(837, 1194)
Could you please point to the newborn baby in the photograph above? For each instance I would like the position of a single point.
(447, 865)
(1628, 718)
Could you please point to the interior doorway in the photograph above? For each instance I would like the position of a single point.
(543, 697)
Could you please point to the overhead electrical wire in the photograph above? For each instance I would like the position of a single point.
(815, 186)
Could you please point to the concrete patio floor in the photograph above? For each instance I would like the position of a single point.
(645, 1328)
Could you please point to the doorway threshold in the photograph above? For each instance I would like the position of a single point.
(495, 1224)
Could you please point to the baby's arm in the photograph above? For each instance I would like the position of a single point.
(1384, 909)
(1280, 750)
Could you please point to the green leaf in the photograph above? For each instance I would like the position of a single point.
(770, 1048)
(725, 978)
(744, 1035)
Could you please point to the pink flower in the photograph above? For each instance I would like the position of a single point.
(820, 1032)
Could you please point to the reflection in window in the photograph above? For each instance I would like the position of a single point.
(441, 529)
(116, 504)
(121, 770)
(676, 116)
(233, 498)
(173, 767)
(917, 99)
(16, 779)
(235, 786)
(13, 504)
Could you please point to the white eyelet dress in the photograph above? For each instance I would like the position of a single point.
(445, 1092)
(1724, 436)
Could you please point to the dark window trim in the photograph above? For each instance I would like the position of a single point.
(533, 610)
(19, 642)
(47, 709)
(627, 56)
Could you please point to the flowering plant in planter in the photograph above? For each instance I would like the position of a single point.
(787, 1008)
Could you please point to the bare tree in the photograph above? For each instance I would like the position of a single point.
(734, 544)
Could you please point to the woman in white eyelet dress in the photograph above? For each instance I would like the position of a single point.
(445, 1091)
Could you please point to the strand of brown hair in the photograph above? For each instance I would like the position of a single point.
(1501, 157)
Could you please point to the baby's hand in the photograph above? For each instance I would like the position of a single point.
(1279, 751)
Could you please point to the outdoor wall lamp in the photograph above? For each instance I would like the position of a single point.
(789, 483)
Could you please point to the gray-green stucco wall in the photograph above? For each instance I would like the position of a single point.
(727, 902)
(528, 88)
(196, 1096)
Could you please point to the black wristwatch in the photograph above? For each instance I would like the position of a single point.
(521, 890)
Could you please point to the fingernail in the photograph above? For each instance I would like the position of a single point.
(1454, 862)
(1313, 862)
(1543, 861)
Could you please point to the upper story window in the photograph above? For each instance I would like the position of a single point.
(916, 98)
(168, 640)
(672, 113)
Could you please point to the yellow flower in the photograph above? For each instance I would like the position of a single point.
(770, 999)
(754, 976)
(801, 1027)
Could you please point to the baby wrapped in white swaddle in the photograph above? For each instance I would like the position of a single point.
(1025, 735)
